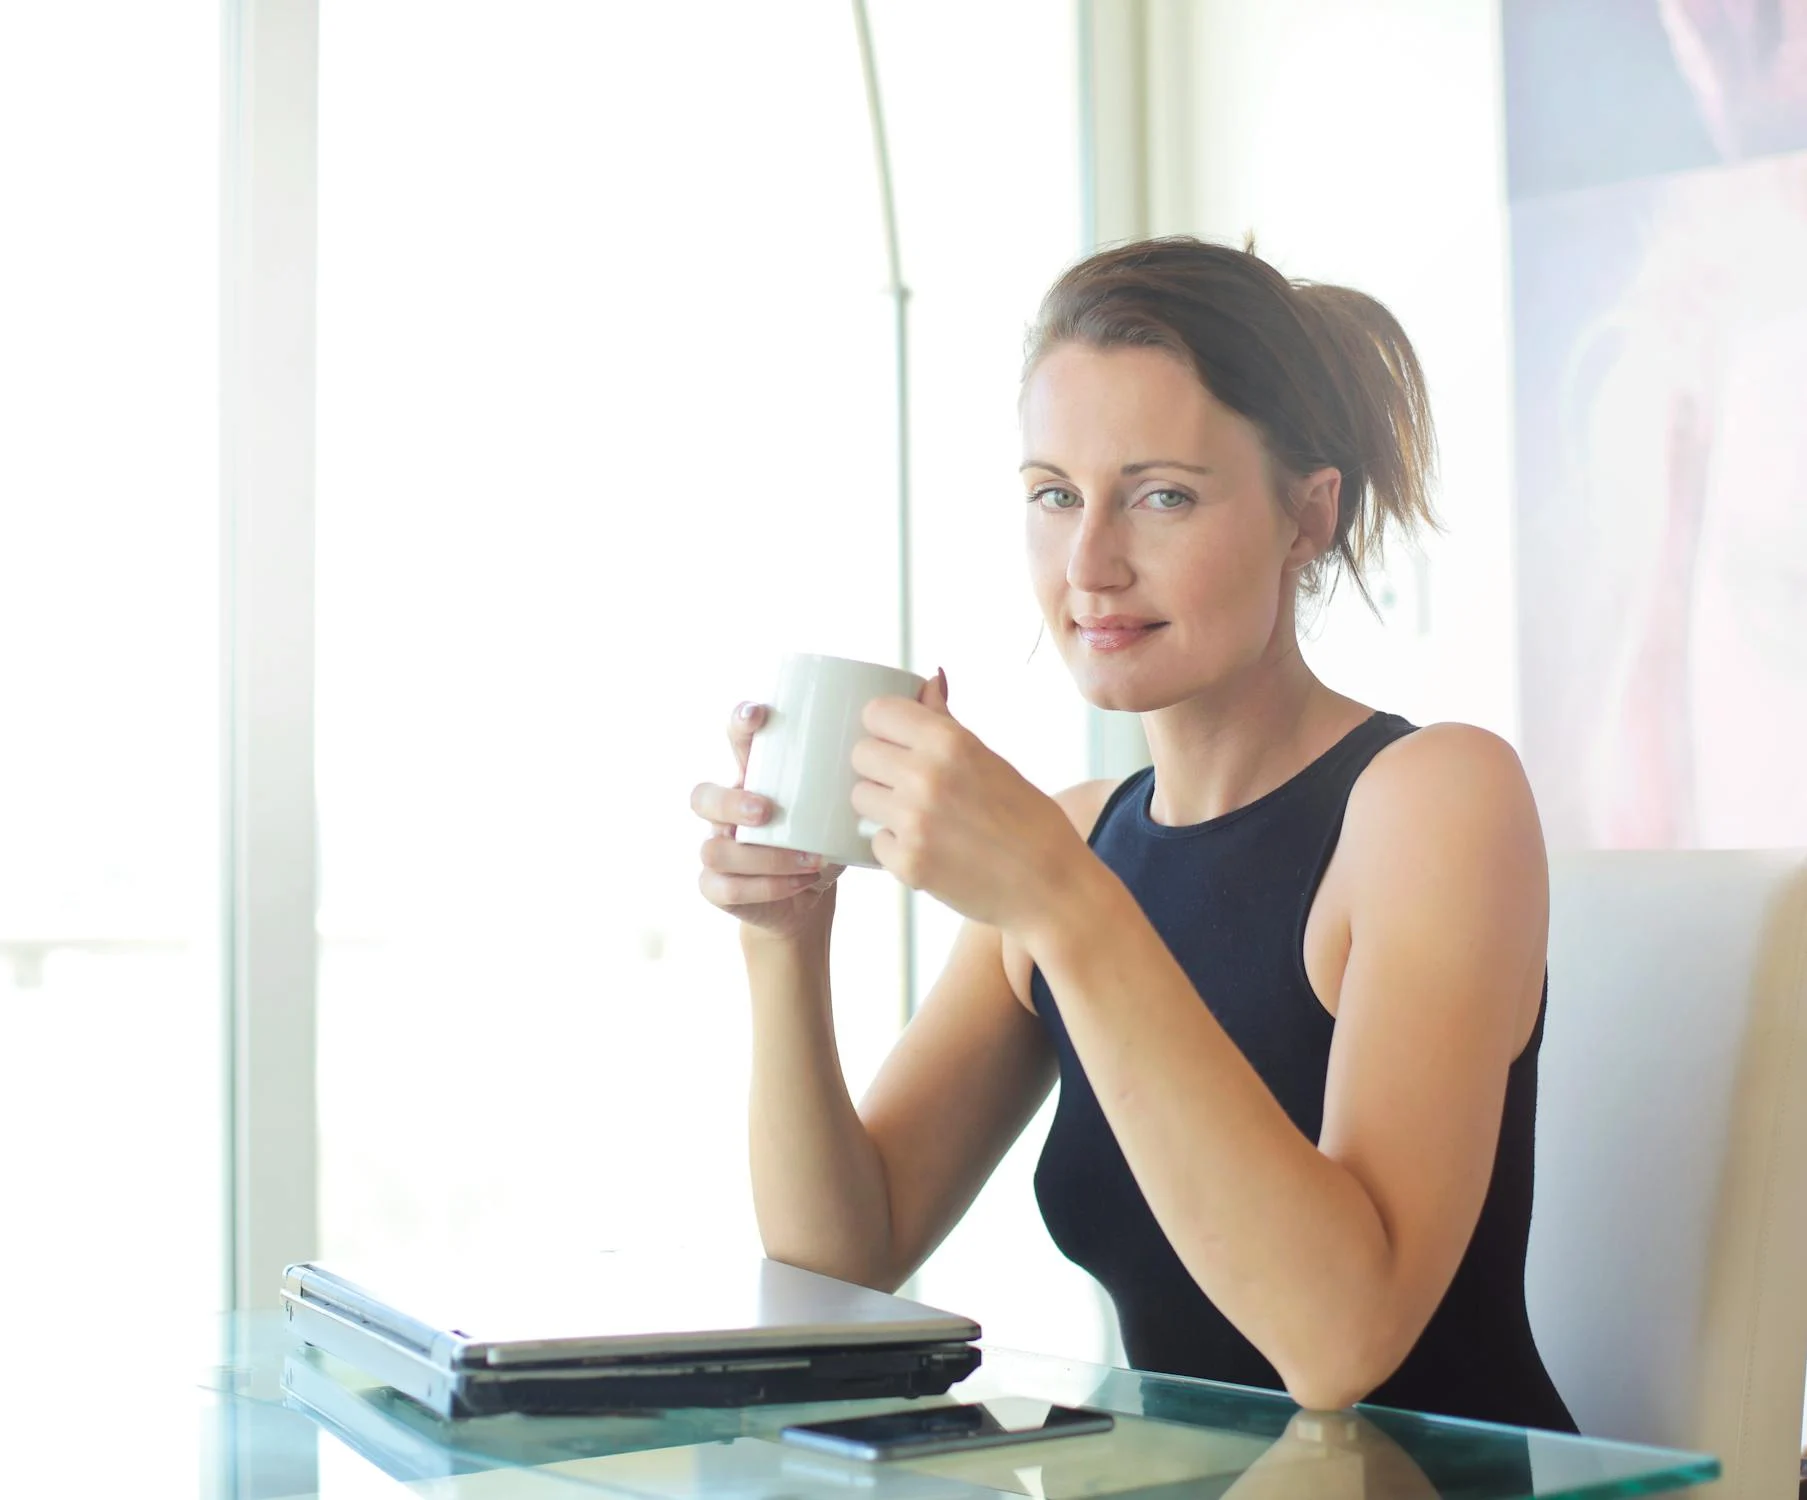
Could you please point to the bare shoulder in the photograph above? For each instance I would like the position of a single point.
(1439, 882)
(1444, 781)
(1442, 850)
(1082, 804)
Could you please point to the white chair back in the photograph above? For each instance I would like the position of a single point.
(1667, 1277)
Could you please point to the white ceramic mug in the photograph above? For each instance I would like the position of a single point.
(802, 755)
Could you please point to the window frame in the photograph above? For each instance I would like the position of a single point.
(269, 860)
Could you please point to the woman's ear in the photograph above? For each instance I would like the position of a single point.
(1316, 497)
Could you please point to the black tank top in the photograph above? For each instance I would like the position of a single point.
(1230, 899)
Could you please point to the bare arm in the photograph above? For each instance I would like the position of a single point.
(866, 1195)
(1331, 1256)
(818, 1183)
(967, 1075)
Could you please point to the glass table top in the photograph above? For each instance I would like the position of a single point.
(281, 1420)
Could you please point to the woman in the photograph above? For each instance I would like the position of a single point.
(1290, 977)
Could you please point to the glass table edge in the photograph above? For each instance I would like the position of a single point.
(1707, 1471)
(1669, 1469)
(1680, 1467)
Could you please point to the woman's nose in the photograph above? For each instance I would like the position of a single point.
(1097, 562)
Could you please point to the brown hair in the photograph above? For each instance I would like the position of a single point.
(1325, 373)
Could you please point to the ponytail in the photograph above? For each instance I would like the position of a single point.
(1389, 441)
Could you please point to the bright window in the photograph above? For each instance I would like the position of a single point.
(605, 426)
(111, 1093)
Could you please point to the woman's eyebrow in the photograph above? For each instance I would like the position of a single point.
(1136, 468)
(1164, 463)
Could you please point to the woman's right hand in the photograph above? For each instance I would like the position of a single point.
(776, 890)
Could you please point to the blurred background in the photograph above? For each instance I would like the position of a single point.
(421, 422)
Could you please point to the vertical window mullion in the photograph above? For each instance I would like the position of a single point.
(269, 150)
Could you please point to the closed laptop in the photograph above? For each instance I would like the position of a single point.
(624, 1332)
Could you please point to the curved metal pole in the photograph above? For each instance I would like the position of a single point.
(900, 300)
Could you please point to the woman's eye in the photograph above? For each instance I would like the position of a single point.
(1054, 498)
(1167, 499)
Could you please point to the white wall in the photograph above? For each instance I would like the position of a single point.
(1364, 144)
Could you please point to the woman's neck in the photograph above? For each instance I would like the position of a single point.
(1218, 752)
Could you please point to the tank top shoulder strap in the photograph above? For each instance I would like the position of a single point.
(1121, 793)
(1336, 775)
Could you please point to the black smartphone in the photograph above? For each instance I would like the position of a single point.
(947, 1429)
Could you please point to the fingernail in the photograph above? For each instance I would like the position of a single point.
(750, 808)
(809, 861)
(941, 676)
(747, 710)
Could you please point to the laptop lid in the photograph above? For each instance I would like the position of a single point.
(618, 1305)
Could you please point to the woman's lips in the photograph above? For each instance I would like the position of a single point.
(1117, 637)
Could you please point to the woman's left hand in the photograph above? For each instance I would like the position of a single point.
(957, 820)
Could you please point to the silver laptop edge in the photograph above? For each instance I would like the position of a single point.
(410, 1372)
(348, 1306)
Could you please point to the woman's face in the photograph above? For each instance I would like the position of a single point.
(1158, 551)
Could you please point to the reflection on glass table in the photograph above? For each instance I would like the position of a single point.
(1173, 1435)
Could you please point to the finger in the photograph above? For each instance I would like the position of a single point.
(934, 693)
(742, 726)
(729, 806)
(879, 803)
(881, 761)
(903, 721)
(731, 857)
(884, 850)
(752, 890)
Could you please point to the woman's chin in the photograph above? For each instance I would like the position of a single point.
(1115, 697)
(1107, 681)
(1125, 696)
